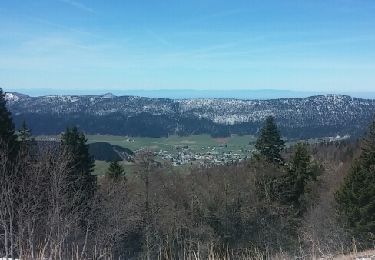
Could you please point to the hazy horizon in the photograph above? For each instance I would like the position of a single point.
(193, 93)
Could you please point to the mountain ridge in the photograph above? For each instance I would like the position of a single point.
(315, 116)
(195, 93)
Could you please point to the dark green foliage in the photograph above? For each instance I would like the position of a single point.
(162, 126)
(27, 145)
(143, 124)
(115, 171)
(81, 166)
(300, 172)
(99, 151)
(103, 151)
(269, 143)
(8, 138)
(27, 142)
(24, 132)
(356, 196)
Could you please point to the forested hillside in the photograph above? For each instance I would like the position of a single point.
(317, 116)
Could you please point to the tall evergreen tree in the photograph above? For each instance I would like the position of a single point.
(269, 143)
(27, 145)
(24, 132)
(8, 138)
(300, 172)
(82, 183)
(115, 171)
(356, 196)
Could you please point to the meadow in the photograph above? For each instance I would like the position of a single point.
(198, 144)
(172, 144)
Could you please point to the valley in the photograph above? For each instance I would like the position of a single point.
(195, 150)
(182, 151)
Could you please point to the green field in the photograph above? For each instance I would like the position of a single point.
(102, 166)
(194, 142)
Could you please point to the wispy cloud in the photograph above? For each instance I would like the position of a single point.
(217, 15)
(159, 38)
(247, 48)
(57, 26)
(78, 5)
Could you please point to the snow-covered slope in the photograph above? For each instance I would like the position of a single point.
(316, 112)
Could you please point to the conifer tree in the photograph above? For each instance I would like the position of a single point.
(356, 196)
(27, 145)
(8, 138)
(269, 143)
(115, 171)
(82, 183)
(24, 132)
(301, 170)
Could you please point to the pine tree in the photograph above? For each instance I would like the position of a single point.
(8, 138)
(269, 143)
(356, 196)
(115, 171)
(27, 144)
(80, 177)
(24, 133)
(300, 172)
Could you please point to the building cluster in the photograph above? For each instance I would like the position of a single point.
(208, 156)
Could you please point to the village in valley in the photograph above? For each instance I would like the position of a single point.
(208, 156)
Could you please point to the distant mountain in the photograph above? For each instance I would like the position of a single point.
(194, 93)
(316, 116)
(234, 93)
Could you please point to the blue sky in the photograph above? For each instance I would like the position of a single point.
(309, 45)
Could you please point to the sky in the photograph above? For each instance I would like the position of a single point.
(309, 45)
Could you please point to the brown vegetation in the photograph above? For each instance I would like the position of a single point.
(221, 212)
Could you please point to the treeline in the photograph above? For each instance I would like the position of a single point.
(148, 125)
(141, 125)
(101, 151)
(306, 201)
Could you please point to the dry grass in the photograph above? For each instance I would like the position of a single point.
(366, 255)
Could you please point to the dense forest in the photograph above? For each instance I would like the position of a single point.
(306, 201)
(101, 151)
